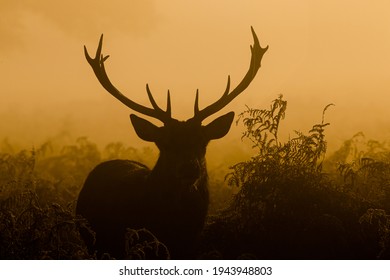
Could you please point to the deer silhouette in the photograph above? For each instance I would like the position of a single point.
(171, 200)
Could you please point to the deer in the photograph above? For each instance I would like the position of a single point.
(171, 200)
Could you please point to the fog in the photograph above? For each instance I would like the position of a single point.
(320, 52)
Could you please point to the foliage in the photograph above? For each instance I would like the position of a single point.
(30, 231)
(300, 155)
(375, 225)
(38, 192)
(363, 167)
(287, 207)
(142, 244)
(289, 202)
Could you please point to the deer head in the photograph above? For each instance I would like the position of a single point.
(176, 137)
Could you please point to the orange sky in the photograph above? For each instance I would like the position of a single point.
(320, 52)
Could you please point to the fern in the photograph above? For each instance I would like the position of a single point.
(303, 153)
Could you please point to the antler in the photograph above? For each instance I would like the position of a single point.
(97, 65)
(257, 54)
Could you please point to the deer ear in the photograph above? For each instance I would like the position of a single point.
(144, 129)
(219, 127)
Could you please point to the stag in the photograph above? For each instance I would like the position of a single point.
(171, 200)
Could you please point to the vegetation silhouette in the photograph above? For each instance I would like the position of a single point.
(311, 208)
(172, 199)
(289, 208)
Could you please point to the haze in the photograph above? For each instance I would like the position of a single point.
(320, 52)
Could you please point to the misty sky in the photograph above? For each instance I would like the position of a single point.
(320, 52)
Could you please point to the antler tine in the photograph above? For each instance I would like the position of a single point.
(98, 67)
(169, 112)
(156, 107)
(257, 53)
(196, 106)
(227, 87)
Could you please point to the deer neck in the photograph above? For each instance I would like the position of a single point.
(168, 173)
